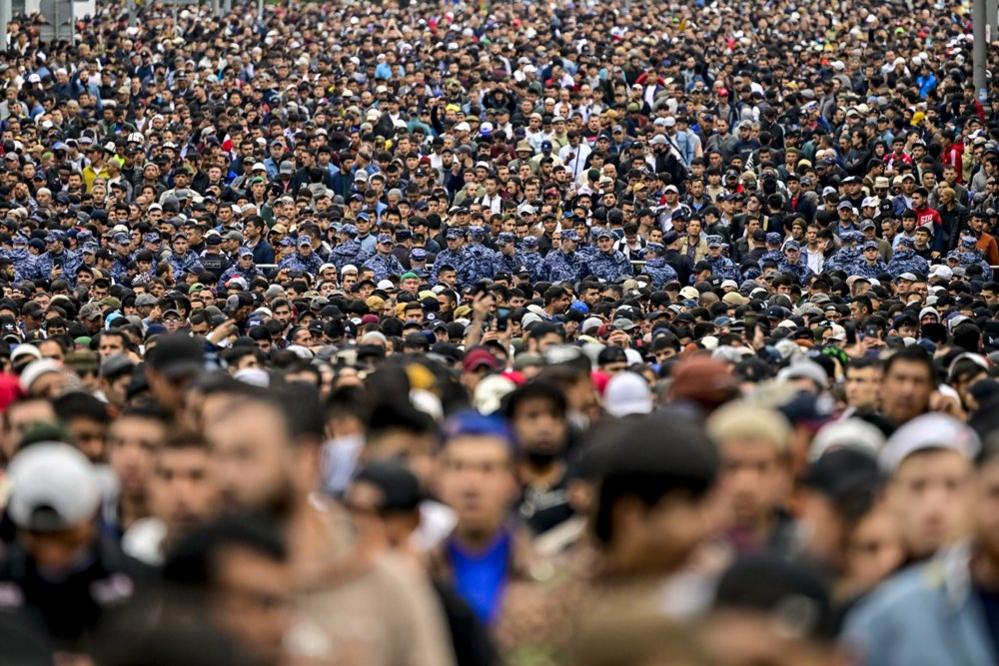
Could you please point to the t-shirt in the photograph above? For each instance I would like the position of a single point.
(479, 577)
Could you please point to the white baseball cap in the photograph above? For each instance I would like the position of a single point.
(53, 487)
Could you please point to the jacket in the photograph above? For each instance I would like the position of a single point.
(924, 616)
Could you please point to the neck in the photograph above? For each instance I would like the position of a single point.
(985, 569)
(476, 539)
(131, 508)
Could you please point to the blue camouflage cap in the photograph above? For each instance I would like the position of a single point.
(120, 237)
(714, 241)
(246, 251)
(349, 229)
(870, 245)
(792, 245)
(655, 247)
(53, 236)
(773, 237)
(603, 232)
(851, 236)
(453, 233)
(304, 240)
(968, 241)
(90, 248)
(570, 234)
(287, 241)
(530, 241)
(418, 254)
(151, 237)
(20, 240)
(505, 238)
(477, 232)
(904, 241)
(384, 238)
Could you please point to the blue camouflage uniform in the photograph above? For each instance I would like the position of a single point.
(296, 262)
(384, 265)
(847, 257)
(868, 270)
(560, 266)
(775, 255)
(190, 262)
(417, 263)
(531, 258)
(608, 266)
(905, 260)
(798, 269)
(68, 260)
(721, 266)
(349, 251)
(448, 257)
(967, 255)
(481, 262)
(656, 267)
(24, 261)
(234, 271)
(507, 263)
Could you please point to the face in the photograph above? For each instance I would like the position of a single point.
(251, 458)
(110, 345)
(182, 492)
(873, 549)
(753, 479)
(539, 428)
(476, 480)
(132, 446)
(906, 390)
(929, 495)
(252, 600)
(862, 387)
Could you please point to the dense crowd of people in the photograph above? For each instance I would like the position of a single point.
(501, 333)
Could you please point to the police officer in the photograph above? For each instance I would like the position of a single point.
(792, 263)
(968, 254)
(184, 259)
(530, 257)
(348, 250)
(847, 257)
(384, 264)
(481, 261)
(509, 259)
(564, 264)
(871, 266)
(453, 255)
(608, 264)
(212, 259)
(304, 260)
(656, 267)
(721, 266)
(244, 267)
(905, 260)
(773, 252)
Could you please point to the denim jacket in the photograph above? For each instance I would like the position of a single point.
(925, 616)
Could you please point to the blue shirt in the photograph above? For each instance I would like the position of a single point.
(479, 577)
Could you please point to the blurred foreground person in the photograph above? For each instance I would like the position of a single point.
(945, 611)
(769, 611)
(61, 571)
(351, 604)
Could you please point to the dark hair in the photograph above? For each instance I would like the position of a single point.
(536, 390)
(913, 354)
(80, 405)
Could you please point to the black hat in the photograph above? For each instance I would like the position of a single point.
(177, 355)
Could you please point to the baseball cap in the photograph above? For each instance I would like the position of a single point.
(53, 487)
(478, 358)
(627, 393)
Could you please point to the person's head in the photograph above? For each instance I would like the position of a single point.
(54, 498)
(768, 610)
(19, 417)
(929, 463)
(384, 497)
(237, 569)
(908, 382)
(476, 474)
(985, 514)
(264, 449)
(863, 383)
(654, 478)
(836, 491)
(753, 444)
(537, 414)
(86, 418)
(134, 438)
(181, 490)
(170, 368)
